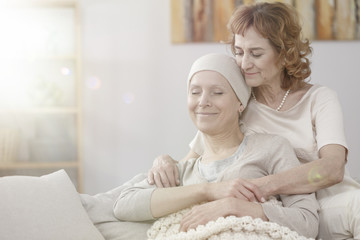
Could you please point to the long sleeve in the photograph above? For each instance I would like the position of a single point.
(135, 201)
(133, 204)
(298, 212)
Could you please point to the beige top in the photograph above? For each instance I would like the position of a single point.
(263, 154)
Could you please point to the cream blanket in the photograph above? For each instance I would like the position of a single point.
(229, 228)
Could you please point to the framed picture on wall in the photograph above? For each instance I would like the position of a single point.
(206, 20)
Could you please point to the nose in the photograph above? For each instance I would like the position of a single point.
(204, 100)
(245, 62)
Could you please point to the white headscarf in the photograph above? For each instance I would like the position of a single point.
(227, 67)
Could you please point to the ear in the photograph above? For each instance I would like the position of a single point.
(241, 108)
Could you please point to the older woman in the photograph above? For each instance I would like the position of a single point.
(273, 59)
(217, 95)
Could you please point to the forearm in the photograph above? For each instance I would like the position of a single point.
(169, 200)
(306, 178)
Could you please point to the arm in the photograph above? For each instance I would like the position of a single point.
(327, 168)
(142, 202)
(169, 200)
(310, 177)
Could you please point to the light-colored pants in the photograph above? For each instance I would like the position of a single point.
(340, 216)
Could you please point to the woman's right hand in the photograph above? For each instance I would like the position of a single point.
(164, 172)
(236, 188)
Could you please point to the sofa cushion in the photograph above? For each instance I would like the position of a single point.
(46, 207)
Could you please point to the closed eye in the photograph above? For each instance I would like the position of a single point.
(256, 55)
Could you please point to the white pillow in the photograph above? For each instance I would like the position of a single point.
(43, 208)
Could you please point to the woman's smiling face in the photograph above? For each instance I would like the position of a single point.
(257, 59)
(212, 103)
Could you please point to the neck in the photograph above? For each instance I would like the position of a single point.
(273, 97)
(221, 146)
(269, 93)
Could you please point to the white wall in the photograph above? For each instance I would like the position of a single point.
(127, 46)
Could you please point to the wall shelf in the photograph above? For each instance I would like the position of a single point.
(40, 88)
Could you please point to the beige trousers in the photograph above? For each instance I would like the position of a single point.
(340, 216)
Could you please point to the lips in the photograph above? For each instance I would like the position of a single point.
(205, 113)
(249, 74)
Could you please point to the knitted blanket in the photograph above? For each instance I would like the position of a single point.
(229, 228)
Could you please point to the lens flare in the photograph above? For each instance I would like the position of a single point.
(93, 83)
(314, 176)
(128, 97)
(65, 71)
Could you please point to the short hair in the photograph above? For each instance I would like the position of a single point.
(279, 23)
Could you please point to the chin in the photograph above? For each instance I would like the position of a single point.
(205, 129)
(250, 82)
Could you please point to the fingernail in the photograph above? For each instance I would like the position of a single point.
(262, 199)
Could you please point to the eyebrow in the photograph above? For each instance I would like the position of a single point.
(211, 86)
(253, 48)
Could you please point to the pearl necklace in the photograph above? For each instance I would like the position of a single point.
(282, 102)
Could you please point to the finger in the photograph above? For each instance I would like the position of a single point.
(172, 175)
(187, 217)
(177, 177)
(170, 178)
(184, 225)
(151, 178)
(190, 224)
(158, 181)
(247, 194)
(255, 190)
(164, 179)
(239, 195)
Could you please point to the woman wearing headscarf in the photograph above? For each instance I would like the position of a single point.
(217, 95)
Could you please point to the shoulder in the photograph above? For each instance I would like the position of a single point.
(321, 92)
(189, 171)
(275, 151)
(318, 98)
(324, 100)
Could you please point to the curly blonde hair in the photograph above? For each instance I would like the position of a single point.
(279, 23)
